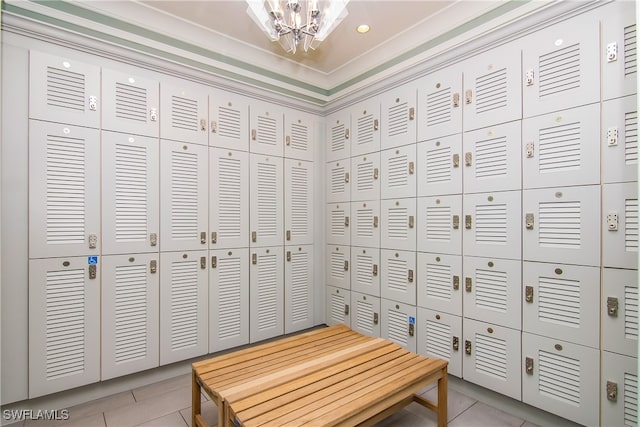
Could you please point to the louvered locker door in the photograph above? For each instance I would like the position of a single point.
(184, 305)
(561, 148)
(63, 90)
(338, 136)
(560, 66)
(130, 314)
(299, 131)
(266, 216)
(228, 121)
(491, 357)
(440, 336)
(184, 201)
(298, 202)
(492, 291)
(338, 306)
(562, 225)
(398, 323)
(619, 390)
(64, 324)
(561, 378)
(398, 172)
(338, 266)
(439, 226)
(398, 276)
(366, 177)
(337, 217)
(492, 93)
(398, 229)
(492, 158)
(266, 293)
(298, 288)
(619, 140)
(64, 190)
(339, 187)
(620, 311)
(365, 224)
(492, 225)
(439, 279)
(440, 103)
(130, 103)
(228, 298)
(561, 302)
(130, 193)
(267, 126)
(365, 315)
(229, 198)
(439, 166)
(620, 225)
(398, 108)
(366, 127)
(184, 111)
(365, 270)
(619, 51)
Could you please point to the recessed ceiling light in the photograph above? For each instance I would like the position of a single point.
(364, 28)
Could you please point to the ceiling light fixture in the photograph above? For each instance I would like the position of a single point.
(282, 20)
(363, 28)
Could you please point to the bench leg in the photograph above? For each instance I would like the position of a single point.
(195, 400)
(442, 399)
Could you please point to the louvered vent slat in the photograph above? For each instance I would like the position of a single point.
(397, 327)
(439, 107)
(438, 281)
(631, 225)
(559, 377)
(365, 130)
(65, 89)
(364, 180)
(337, 223)
(438, 223)
(337, 307)
(337, 265)
(337, 180)
(131, 193)
(560, 148)
(184, 195)
(267, 292)
(267, 200)
(131, 102)
(184, 304)
(229, 123)
(631, 138)
(184, 113)
(337, 138)
(130, 313)
(560, 225)
(398, 172)
(364, 227)
(491, 290)
(267, 130)
(491, 356)
(438, 339)
(229, 202)
(559, 301)
(397, 227)
(398, 119)
(491, 91)
(438, 165)
(631, 312)
(299, 201)
(630, 400)
(491, 224)
(299, 137)
(491, 158)
(397, 275)
(299, 286)
(229, 298)
(364, 270)
(630, 59)
(559, 71)
(364, 316)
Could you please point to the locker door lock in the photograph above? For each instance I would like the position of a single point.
(346, 309)
(456, 283)
(528, 293)
(376, 124)
(467, 347)
(254, 134)
(214, 237)
(93, 103)
(456, 160)
(612, 306)
(412, 329)
(467, 284)
(528, 221)
(612, 136)
(456, 222)
(93, 241)
(612, 221)
(153, 114)
(287, 140)
(214, 126)
(467, 222)
(346, 221)
(467, 158)
(346, 134)
(412, 168)
(612, 391)
(528, 77)
(412, 113)
(346, 265)
(456, 100)
(93, 271)
(288, 255)
(528, 365)
(410, 278)
(254, 258)
(375, 221)
(346, 177)
(529, 149)
(153, 266)
(612, 52)
(375, 318)
(214, 261)
(203, 124)
(456, 343)
(153, 239)
(288, 234)
(375, 173)
(203, 262)
(375, 269)
(254, 236)
(411, 221)
(203, 237)
(468, 96)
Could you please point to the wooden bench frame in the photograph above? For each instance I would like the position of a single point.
(330, 376)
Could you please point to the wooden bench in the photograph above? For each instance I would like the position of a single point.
(326, 377)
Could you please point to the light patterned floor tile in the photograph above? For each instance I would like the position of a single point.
(208, 410)
(174, 419)
(162, 387)
(481, 415)
(149, 409)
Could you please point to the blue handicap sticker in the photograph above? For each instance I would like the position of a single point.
(92, 260)
(412, 320)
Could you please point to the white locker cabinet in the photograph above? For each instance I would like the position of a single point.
(440, 103)
(398, 323)
(184, 112)
(365, 172)
(398, 280)
(64, 190)
(184, 201)
(266, 122)
(439, 224)
(492, 291)
(561, 378)
(492, 225)
(398, 229)
(492, 92)
(440, 336)
(561, 148)
(398, 172)
(439, 166)
(439, 282)
(365, 270)
(130, 193)
(560, 302)
(365, 314)
(491, 357)
(298, 202)
(266, 293)
(64, 90)
(562, 225)
(266, 215)
(398, 110)
(338, 216)
(184, 305)
(365, 118)
(620, 225)
(130, 314)
(229, 198)
(339, 266)
(229, 121)
(560, 66)
(64, 324)
(228, 298)
(365, 223)
(338, 306)
(619, 390)
(618, 51)
(338, 136)
(130, 102)
(339, 178)
(298, 288)
(298, 135)
(492, 158)
(620, 311)
(619, 140)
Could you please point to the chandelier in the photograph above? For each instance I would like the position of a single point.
(282, 20)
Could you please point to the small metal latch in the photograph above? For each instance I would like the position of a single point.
(375, 173)
(93, 271)
(254, 258)
(612, 391)
(456, 283)
(254, 236)
(375, 269)
(214, 261)
(376, 124)
(412, 113)
(346, 265)
(412, 329)
(288, 255)
(456, 160)
(346, 221)
(214, 126)
(346, 309)
(456, 100)
(214, 237)
(612, 221)
(411, 221)
(153, 114)
(346, 133)
(375, 318)
(288, 234)
(467, 222)
(287, 140)
(528, 221)
(412, 168)
(153, 239)
(528, 293)
(612, 136)
(612, 52)
(410, 278)
(528, 363)
(375, 221)
(456, 343)
(468, 96)
(203, 124)
(467, 346)
(456, 222)
(467, 158)
(612, 306)
(93, 241)
(528, 77)
(346, 177)
(153, 266)
(203, 262)
(203, 237)
(529, 149)
(467, 284)
(254, 134)
(93, 103)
